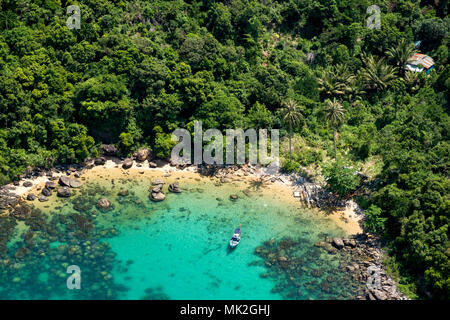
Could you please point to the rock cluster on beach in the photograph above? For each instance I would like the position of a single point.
(156, 193)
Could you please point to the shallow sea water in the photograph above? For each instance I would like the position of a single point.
(175, 249)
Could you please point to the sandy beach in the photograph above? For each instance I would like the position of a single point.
(347, 218)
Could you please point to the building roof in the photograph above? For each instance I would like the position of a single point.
(419, 58)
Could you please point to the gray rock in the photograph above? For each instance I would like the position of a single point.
(350, 243)
(152, 165)
(141, 155)
(127, 163)
(74, 183)
(100, 161)
(31, 197)
(50, 185)
(46, 192)
(109, 149)
(43, 198)
(157, 181)
(103, 204)
(338, 243)
(27, 184)
(379, 295)
(64, 192)
(64, 181)
(157, 196)
(175, 187)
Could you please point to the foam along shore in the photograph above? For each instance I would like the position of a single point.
(292, 189)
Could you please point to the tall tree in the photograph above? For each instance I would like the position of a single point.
(291, 116)
(334, 113)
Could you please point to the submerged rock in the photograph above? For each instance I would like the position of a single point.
(46, 192)
(21, 212)
(123, 193)
(157, 196)
(74, 183)
(43, 198)
(233, 197)
(64, 192)
(103, 204)
(175, 187)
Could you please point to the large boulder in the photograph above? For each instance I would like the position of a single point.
(175, 187)
(141, 155)
(99, 161)
(64, 181)
(109, 150)
(338, 243)
(103, 204)
(157, 196)
(64, 192)
(127, 163)
(74, 183)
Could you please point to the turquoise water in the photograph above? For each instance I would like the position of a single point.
(175, 249)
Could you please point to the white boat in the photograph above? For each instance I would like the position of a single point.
(234, 241)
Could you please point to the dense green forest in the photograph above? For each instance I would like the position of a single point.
(137, 70)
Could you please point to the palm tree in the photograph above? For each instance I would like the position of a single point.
(335, 81)
(334, 113)
(377, 75)
(401, 54)
(7, 19)
(291, 115)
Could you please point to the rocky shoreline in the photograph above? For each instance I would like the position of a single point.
(360, 255)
